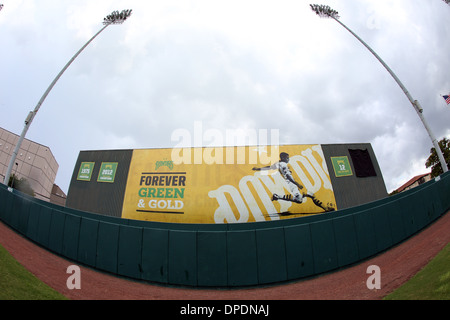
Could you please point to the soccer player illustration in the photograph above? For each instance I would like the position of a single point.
(296, 196)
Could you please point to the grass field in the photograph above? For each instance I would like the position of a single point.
(431, 283)
(17, 283)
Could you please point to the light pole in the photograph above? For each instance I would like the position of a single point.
(114, 18)
(14, 176)
(326, 12)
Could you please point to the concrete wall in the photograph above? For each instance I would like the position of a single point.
(100, 197)
(354, 190)
(107, 198)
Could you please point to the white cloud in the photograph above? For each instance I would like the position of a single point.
(234, 64)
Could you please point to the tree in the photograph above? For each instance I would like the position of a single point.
(433, 160)
(21, 184)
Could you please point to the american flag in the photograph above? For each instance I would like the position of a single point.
(447, 99)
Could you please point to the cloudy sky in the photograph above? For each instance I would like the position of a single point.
(256, 65)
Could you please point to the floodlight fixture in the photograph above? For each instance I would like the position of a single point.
(117, 18)
(324, 11)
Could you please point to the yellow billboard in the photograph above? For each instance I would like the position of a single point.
(227, 184)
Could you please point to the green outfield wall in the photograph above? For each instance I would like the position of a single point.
(226, 255)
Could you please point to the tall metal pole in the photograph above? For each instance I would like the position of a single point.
(326, 11)
(114, 18)
(32, 114)
(414, 103)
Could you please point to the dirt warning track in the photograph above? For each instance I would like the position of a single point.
(397, 266)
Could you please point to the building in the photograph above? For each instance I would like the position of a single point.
(58, 196)
(414, 182)
(34, 162)
(224, 184)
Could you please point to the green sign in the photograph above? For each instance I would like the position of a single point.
(341, 166)
(107, 172)
(85, 172)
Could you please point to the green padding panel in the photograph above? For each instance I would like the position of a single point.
(442, 202)
(346, 240)
(242, 260)
(18, 216)
(383, 234)
(3, 200)
(444, 191)
(13, 218)
(420, 214)
(155, 255)
(365, 232)
(435, 206)
(45, 219)
(33, 222)
(56, 236)
(434, 210)
(107, 246)
(130, 247)
(408, 208)
(23, 218)
(87, 243)
(271, 255)
(423, 214)
(324, 246)
(183, 257)
(299, 255)
(9, 207)
(71, 236)
(212, 258)
(395, 215)
(19, 210)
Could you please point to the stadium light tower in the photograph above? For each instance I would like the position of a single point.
(113, 18)
(324, 11)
